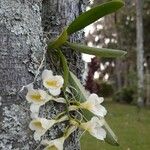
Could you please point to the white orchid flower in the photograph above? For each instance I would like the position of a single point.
(40, 126)
(94, 127)
(57, 144)
(37, 96)
(34, 108)
(52, 83)
(93, 105)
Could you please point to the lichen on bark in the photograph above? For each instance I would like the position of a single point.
(21, 46)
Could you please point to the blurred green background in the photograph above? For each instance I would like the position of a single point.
(119, 80)
(131, 125)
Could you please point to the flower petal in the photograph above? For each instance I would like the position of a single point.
(94, 119)
(37, 96)
(57, 143)
(59, 100)
(34, 115)
(34, 108)
(55, 92)
(93, 105)
(99, 110)
(46, 124)
(40, 125)
(95, 99)
(60, 80)
(94, 127)
(44, 95)
(35, 124)
(46, 74)
(99, 133)
(53, 82)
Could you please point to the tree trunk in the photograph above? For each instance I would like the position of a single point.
(57, 14)
(147, 84)
(148, 81)
(118, 74)
(140, 51)
(21, 49)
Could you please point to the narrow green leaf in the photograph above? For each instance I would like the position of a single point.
(82, 96)
(94, 14)
(101, 52)
(59, 41)
(75, 82)
(111, 138)
(65, 69)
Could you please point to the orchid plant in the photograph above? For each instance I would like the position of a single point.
(58, 88)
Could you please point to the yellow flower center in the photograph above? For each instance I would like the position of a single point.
(52, 83)
(38, 124)
(53, 147)
(36, 97)
(86, 126)
(86, 106)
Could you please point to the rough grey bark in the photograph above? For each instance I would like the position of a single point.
(140, 51)
(57, 14)
(21, 47)
(20, 52)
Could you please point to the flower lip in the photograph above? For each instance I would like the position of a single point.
(52, 147)
(93, 105)
(94, 127)
(37, 124)
(52, 83)
(56, 144)
(40, 126)
(37, 96)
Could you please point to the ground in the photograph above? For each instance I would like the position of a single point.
(131, 126)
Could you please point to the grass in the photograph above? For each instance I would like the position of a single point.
(131, 127)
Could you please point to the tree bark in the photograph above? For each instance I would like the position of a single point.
(148, 81)
(147, 84)
(56, 15)
(21, 49)
(140, 51)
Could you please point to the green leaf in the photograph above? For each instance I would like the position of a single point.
(101, 52)
(75, 82)
(65, 69)
(59, 41)
(82, 96)
(94, 14)
(111, 138)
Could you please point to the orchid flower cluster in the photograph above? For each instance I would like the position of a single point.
(53, 85)
(64, 89)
